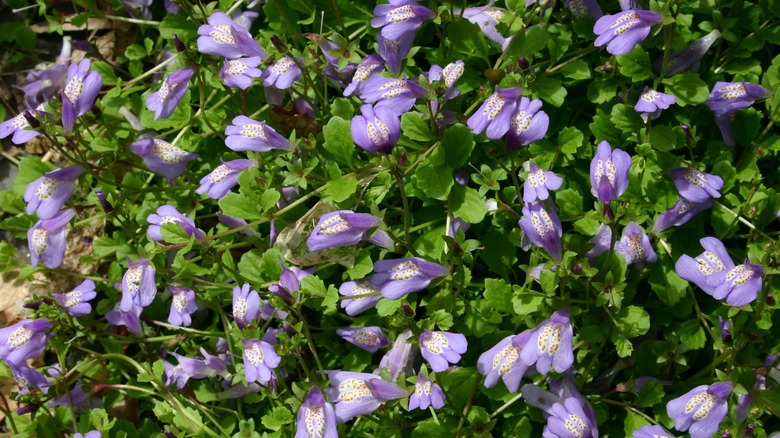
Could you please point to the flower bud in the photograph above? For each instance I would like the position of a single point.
(279, 44)
(178, 44)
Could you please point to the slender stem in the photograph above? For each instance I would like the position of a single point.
(507, 404)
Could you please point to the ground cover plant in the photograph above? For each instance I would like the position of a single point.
(419, 219)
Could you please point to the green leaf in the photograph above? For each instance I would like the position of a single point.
(415, 128)
(665, 282)
(633, 422)
(343, 108)
(576, 70)
(458, 142)
(434, 177)
(550, 90)
(30, 168)
(570, 139)
(663, 138)
(136, 52)
(626, 119)
(174, 233)
(688, 88)
(467, 204)
(238, 205)
(330, 303)
(747, 124)
(246, 429)
(635, 65)
(650, 394)
(633, 321)
(269, 198)
(499, 294)
(341, 189)
(338, 140)
(569, 203)
(602, 90)
(276, 419)
(251, 266)
(692, 334)
(385, 307)
(185, 29)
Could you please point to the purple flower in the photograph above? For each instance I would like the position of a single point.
(398, 277)
(182, 306)
(282, 73)
(370, 66)
(581, 8)
(48, 194)
(223, 37)
(359, 393)
(167, 214)
(442, 348)
(725, 329)
(187, 368)
(569, 420)
(495, 115)
(528, 124)
(138, 285)
(503, 362)
(400, 358)
(739, 285)
(487, 18)
(368, 338)
(289, 283)
(653, 102)
(163, 102)
(539, 183)
(713, 260)
(398, 95)
(344, 228)
(625, 30)
(541, 226)
(24, 340)
(609, 173)
(727, 97)
(334, 53)
(162, 157)
(46, 239)
(246, 305)
(355, 306)
(76, 302)
(18, 127)
(129, 319)
(695, 185)
(259, 359)
(450, 74)
(603, 241)
(724, 122)
(426, 393)
(635, 246)
(223, 178)
(238, 73)
(400, 18)
(683, 211)
(689, 57)
(90, 434)
(651, 432)
(700, 410)
(316, 418)
(550, 344)
(393, 52)
(42, 85)
(247, 134)
(377, 129)
(80, 92)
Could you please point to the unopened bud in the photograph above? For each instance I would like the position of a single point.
(107, 207)
(577, 269)
(565, 18)
(770, 299)
(408, 312)
(178, 44)
(403, 160)
(26, 409)
(523, 63)
(31, 119)
(607, 68)
(279, 44)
